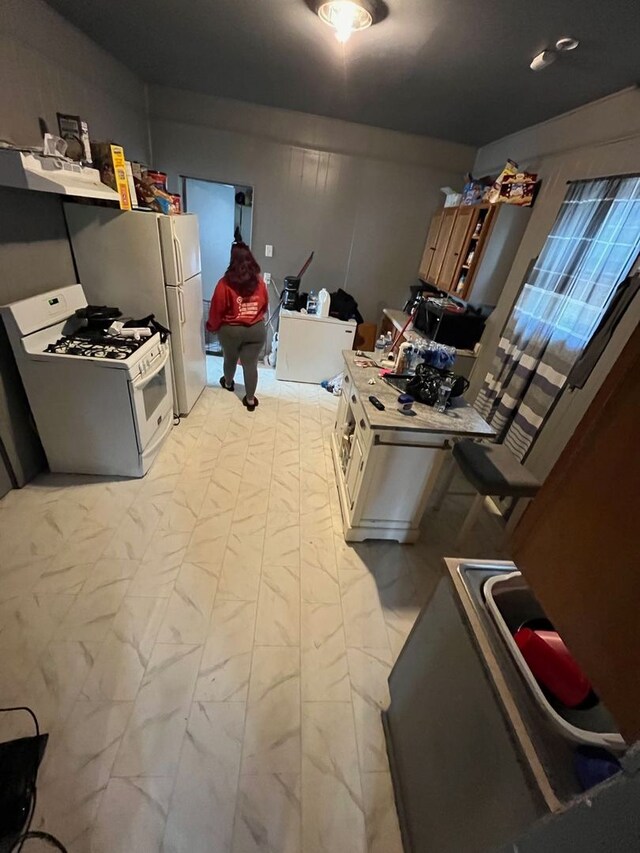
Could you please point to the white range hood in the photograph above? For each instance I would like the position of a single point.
(29, 171)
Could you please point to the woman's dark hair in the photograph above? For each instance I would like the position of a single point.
(243, 270)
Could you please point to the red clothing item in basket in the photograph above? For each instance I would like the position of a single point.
(229, 307)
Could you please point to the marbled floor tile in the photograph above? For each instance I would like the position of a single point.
(124, 655)
(20, 580)
(63, 579)
(254, 497)
(399, 621)
(92, 613)
(272, 729)
(226, 660)
(153, 739)
(186, 619)
(132, 816)
(86, 545)
(29, 621)
(268, 814)
(364, 624)
(160, 565)
(348, 555)
(325, 675)
(383, 832)
(76, 769)
(368, 673)
(183, 508)
(282, 540)
(55, 683)
(204, 798)
(209, 539)
(318, 571)
(222, 493)
(332, 806)
(285, 496)
(240, 581)
(137, 528)
(107, 573)
(278, 621)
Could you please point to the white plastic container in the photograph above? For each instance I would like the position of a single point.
(324, 303)
(609, 740)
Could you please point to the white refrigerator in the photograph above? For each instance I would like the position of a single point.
(147, 263)
(310, 347)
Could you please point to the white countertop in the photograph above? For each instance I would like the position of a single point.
(461, 419)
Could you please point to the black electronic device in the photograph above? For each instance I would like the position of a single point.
(375, 402)
(290, 293)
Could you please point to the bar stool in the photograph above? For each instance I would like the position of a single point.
(492, 470)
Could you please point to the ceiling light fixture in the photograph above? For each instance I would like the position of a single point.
(345, 16)
(567, 43)
(544, 58)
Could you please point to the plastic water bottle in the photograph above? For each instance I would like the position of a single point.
(444, 392)
(380, 345)
(312, 302)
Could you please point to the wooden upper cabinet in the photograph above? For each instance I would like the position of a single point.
(456, 250)
(447, 221)
(430, 245)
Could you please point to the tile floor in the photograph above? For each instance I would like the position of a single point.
(207, 654)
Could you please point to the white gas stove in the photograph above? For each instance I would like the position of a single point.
(103, 404)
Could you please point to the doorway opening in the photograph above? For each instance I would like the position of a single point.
(220, 208)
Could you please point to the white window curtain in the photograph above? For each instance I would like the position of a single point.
(590, 250)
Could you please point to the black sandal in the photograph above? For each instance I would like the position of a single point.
(225, 386)
(249, 407)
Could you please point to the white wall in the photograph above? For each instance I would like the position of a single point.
(602, 138)
(360, 197)
(214, 205)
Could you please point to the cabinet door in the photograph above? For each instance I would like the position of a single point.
(456, 252)
(448, 217)
(354, 469)
(430, 245)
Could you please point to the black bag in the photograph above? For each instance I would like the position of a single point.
(344, 306)
(424, 386)
(19, 762)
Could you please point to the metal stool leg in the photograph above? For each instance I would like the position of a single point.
(470, 520)
(444, 485)
(513, 519)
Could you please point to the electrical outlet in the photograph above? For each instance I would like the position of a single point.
(267, 277)
(268, 251)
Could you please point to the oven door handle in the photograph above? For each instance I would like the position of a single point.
(141, 381)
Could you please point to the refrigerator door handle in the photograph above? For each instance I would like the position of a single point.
(181, 312)
(179, 264)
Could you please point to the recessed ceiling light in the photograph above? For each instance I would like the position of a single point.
(345, 16)
(567, 43)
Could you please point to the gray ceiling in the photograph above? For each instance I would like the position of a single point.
(455, 69)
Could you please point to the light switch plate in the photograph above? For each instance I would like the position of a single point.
(267, 277)
(268, 251)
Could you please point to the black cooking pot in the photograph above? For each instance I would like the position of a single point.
(98, 316)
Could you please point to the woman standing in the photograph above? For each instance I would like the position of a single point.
(240, 302)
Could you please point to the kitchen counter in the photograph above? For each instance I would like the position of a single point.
(387, 463)
(461, 419)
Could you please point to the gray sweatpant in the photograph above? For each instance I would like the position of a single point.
(244, 343)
